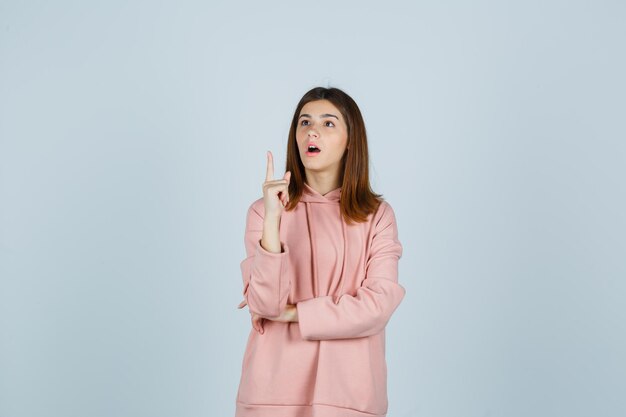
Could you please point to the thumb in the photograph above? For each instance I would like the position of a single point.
(287, 176)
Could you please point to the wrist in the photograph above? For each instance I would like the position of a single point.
(271, 220)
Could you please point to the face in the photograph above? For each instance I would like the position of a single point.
(321, 124)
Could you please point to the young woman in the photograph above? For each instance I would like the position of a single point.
(321, 274)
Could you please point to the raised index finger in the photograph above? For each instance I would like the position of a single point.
(270, 167)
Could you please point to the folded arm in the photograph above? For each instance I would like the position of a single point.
(368, 312)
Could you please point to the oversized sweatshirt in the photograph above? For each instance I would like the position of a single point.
(343, 280)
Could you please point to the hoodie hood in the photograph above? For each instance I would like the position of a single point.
(310, 197)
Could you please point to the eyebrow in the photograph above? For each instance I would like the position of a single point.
(321, 115)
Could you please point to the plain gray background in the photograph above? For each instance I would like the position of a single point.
(133, 139)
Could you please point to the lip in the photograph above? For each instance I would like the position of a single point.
(310, 154)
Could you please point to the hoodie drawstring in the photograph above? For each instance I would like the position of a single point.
(313, 253)
(343, 261)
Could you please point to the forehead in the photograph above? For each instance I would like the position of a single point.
(318, 107)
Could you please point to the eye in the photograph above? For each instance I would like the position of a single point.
(331, 123)
(303, 122)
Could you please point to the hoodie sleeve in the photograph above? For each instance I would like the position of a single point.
(368, 312)
(266, 284)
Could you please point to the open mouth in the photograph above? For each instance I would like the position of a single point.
(313, 148)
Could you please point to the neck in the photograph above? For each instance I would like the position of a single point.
(323, 183)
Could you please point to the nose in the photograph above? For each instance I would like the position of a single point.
(312, 133)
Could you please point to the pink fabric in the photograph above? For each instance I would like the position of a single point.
(344, 280)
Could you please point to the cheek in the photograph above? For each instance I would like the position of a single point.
(343, 142)
(339, 150)
(299, 141)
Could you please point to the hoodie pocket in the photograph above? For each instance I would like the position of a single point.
(352, 373)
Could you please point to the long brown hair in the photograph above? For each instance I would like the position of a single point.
(358, 199)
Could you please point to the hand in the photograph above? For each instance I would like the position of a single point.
(275, 192)
(289, 314)
(257, 321)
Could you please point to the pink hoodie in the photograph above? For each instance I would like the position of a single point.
(344, 281)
